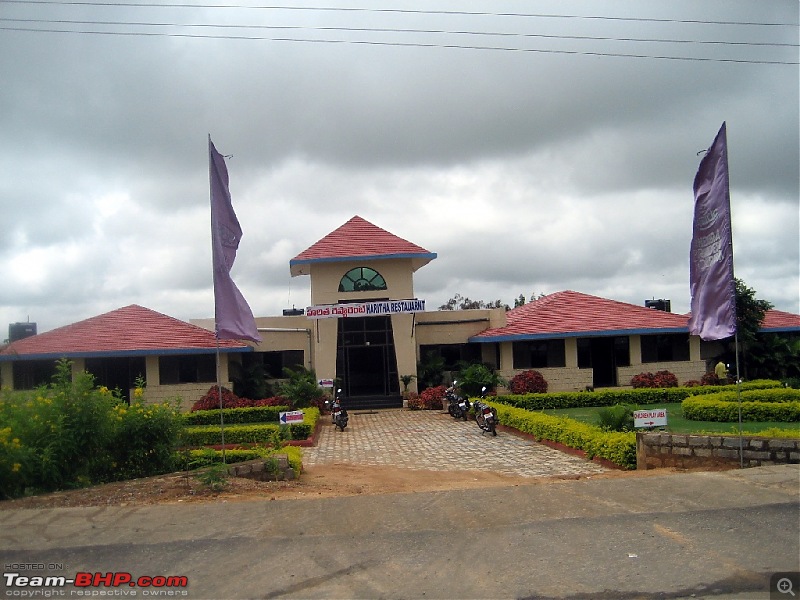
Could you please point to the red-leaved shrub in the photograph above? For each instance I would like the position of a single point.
(210, 401)
(710, 379)
(661, 379)
(431, 398)
(528, 382)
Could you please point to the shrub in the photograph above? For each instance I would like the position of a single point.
(250, 414)
(710, 379)
(661, 379)
(211, 435)
(71, 434)
(474, 377)
(617, 418)
(782, 404)
(431, 398)
(617, 447)
(210, 400)
(414, 403)
(528, 382)
(302, 388)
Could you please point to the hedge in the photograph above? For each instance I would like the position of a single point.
(781, 405)
(211, 435)
(242, 430)
(251, 414)
(617, 447)
(610, 397)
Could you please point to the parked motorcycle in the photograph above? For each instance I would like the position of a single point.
(457, 406)
(485, 415)
(339, 414)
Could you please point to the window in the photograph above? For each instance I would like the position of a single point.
(665, 347)
(452, 354)
(188, 368)
(275, 362)
(539, 354)
(362, 279)
(29, 374)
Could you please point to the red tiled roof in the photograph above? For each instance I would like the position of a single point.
(132, 330)
(777, 320)
(359, 239)
(568, 313)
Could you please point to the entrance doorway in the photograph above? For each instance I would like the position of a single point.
(366, 364)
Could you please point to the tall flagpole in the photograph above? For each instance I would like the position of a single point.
(233, 318)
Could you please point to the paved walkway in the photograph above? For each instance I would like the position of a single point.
(434, 441)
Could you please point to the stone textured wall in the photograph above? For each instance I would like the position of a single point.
(654, 450)
(189, 393)
(276, 468)
(683, 370)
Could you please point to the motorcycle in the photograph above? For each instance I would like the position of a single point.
(339, 414)
(485, 415)
(457, 406)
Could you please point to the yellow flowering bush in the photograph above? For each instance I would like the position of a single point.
(71, 433)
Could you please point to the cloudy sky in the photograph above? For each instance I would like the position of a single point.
(534, 146)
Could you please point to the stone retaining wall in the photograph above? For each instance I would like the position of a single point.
(276, 468)
(654, 450)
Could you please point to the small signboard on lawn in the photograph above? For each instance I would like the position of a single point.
(292, 416)
(655, 417)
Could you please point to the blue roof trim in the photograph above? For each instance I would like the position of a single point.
(307, 261)
(785, 328)
(120, 353)
(521, 337)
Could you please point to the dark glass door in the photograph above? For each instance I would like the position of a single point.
(366, 364)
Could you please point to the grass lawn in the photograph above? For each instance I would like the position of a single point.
(675, 421)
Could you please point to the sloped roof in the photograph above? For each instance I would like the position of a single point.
(572, 314)
(777, 320)
(129, 331)
(358, 239)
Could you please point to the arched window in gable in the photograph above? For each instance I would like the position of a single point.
(362, 279)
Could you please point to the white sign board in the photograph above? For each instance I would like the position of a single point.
(325, 383)
(292, 416)
(366, 309)
(655, 417)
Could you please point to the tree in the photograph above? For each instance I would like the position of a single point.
(750, 313)
(459, 302)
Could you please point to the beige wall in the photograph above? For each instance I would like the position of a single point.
(186, 394)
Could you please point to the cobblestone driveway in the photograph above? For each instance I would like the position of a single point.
(435, 441)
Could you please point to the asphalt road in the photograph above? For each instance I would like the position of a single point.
(694, 535)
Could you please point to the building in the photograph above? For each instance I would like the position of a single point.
(366, 330)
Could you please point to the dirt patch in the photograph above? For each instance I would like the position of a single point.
(315, 482)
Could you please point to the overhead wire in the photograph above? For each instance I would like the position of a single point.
(385, 30)
(393, 10)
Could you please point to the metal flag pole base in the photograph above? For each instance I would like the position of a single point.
(739, 399)
(219, 393)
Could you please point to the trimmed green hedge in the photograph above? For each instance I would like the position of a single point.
(640, 396)
(251, 414)
(245, 432)
(210, 435)
(617, 447)
(781, 405)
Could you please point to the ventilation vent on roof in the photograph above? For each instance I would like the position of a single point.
(664, 305)
(292, 312)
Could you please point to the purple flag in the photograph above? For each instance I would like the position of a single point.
(234, 319)
(711, 259)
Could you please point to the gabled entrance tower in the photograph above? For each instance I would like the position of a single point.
(361, 262)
